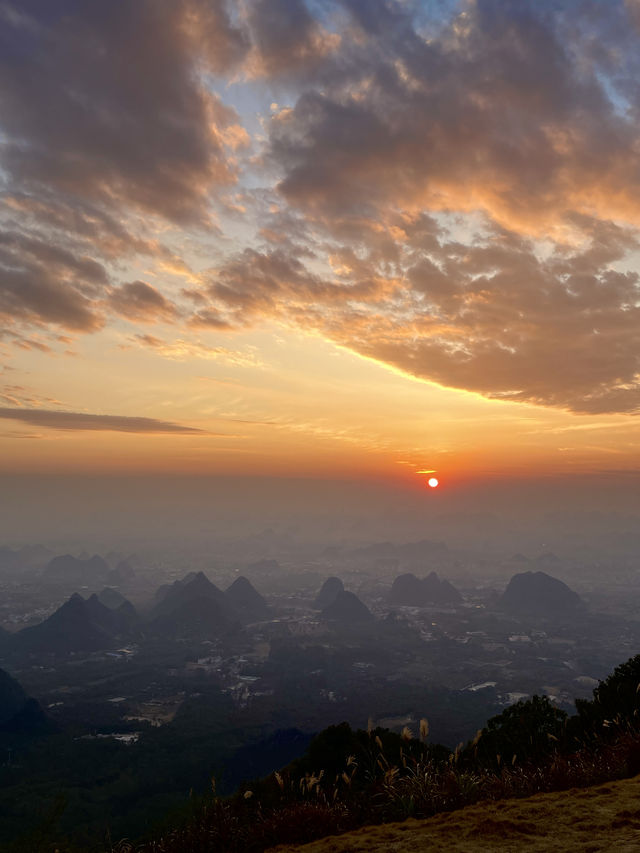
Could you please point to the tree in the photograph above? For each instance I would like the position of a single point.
(526, 731)
(616, 700)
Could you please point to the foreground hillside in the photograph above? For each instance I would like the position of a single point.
(349, 789)
(589, 819)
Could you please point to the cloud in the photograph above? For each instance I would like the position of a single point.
(182, 350)
(19, 395)
(454, 195)
(286, 39)
(110, 128)
(253, 285)
(43, 283)
(505, 111)
(53, 419)
(518, 118)
(493, 315)
(139, 301)
(497, 319)
(105, 102)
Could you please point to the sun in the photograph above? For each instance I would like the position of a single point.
(433, 482)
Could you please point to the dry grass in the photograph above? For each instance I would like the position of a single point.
(588, 820)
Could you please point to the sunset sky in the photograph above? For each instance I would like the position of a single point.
(332, 238)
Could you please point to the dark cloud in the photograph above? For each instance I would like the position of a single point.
(53, 419)
(104, 100)
(139, 301)
(496, 114)
(43, 283)
(107, 114)
(91, 228)
(257, 284)
(287, 39)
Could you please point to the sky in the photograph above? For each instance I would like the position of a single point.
(318, 239)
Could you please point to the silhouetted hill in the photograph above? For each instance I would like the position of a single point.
(119, 621)
(164, 589)
(19, 713)
(408, 590)
(537, 593)
(194, 607)
(548, 557)
(519, 558)
(27, 557)
(9, 560)
(193, 585)
(111, 597)
(346, 608)
(75, 570)
(121, 574)
(113, 558)
(246, 600)
(357, 780)
(126, 569)
(73, 627)
(330, 590)
(12, 696)
(440, 591)
(199, 617)
(29, 720)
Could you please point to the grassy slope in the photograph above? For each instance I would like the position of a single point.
(588, 820)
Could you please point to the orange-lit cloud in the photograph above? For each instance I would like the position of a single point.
(139, 301)
(182, 350)
(492, 317)
(495, 114)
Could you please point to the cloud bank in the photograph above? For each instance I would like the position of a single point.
(452, 191)
(53, 419)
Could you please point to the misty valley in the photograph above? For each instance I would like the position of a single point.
(129, 682)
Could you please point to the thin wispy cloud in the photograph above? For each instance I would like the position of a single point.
(70, 421)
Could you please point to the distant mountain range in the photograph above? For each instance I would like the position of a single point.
(190, 607)
(195, 606)
(28, 557)
(408, 590)
(76, 570)
(79, 625)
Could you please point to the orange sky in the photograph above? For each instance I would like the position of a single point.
(327, 239)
